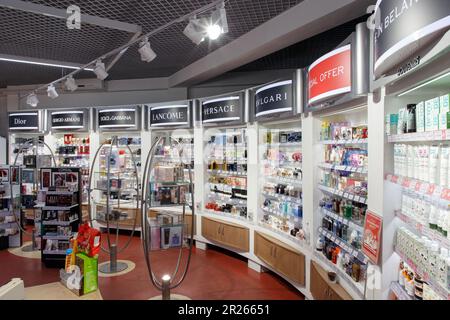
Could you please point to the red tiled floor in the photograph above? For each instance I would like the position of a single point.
(212, 275)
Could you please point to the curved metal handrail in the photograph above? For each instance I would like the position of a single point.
(146, 237)
(114, 141)
(26, 145)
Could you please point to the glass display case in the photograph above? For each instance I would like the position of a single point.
(225, 151)
(280, 154)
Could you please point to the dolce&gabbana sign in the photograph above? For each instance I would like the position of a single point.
(117, 118)
(274, 98)
(222, 109)
(176, 115)
(24, 121)
(67, 120)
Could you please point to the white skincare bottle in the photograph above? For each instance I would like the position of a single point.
(433, 217)
(410, 161)
(443, 170)
(433, 163)
(442, 265)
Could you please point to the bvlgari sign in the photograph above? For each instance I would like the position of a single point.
(117, 118)
(402, 27)
(273, 98)
(169, 116)
(24, 121)
(222, 109)
(67, 120)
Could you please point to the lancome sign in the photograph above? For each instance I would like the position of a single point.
(176, 115)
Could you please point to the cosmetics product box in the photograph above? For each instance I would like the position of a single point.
(401, 127)
(391, 123)
(420, 117)
(89, 271)
(443, 120)
(431, 115)
(444, 104)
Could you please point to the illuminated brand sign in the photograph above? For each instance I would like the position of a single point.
(222, 109)
(67, 120)
(169, 115)
(24, 121)
(117, 118)
(274, 98)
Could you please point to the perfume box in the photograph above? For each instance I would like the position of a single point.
(420, 117)
(444, 104)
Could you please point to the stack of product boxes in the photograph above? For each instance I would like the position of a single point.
(430, 115)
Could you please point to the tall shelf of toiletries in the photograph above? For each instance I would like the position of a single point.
(225, 151)
(417, 132)
(72, 150)
(281, 207)
(122, 179)
(10, 217)
(342, 165)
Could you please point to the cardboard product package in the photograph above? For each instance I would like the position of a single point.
(89, 270)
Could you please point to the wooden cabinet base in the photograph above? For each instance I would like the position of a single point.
(322, 288)
(281, 257)
(226, 233)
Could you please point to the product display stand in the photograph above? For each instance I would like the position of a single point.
(30, 175)
(157, 231)
(113, 173)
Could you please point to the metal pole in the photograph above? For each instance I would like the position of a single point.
(165, 287)
(113, 257)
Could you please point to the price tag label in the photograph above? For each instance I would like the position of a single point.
(346, 195)
(394, 179)
(444, 134)
(417, 186)
(406, 182)
(431, 189)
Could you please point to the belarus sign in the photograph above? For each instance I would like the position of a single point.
(331, 75)
(24, 121)
(402, 27)
(67, 120)
(169, 116)
(222, 109)
(273, 98)
(117, 118)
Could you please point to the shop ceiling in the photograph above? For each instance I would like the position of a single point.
(33, 29)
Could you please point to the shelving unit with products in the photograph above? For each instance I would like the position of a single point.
(342, 183)
(10, 217)
(281, 207)
(225, 153)
(60, 212)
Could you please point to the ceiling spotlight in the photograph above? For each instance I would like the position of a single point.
(146, 52)
(100, 70)
(219, 17)
(32, 100)
(51, 92)
(214, 31)
(196, 30)
(70, 84)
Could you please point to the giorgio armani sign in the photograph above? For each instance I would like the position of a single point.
(176, 115)
(67, 120)
(274, 98)
(222, 109)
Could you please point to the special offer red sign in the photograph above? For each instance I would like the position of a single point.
(372, 236)
(331, 75)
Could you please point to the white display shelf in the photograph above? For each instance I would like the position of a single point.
(226, 198)
(347, 247)
(350, 141)
(399, 291)
(278, 163)
(228, 215)
(228, 160)
(222, 185)
(281, 233)
(437, 287)
(330, 166)
(343, 220)
(58, 223)
(54, 252)
(281, 197)
(227, 173)
(423, 230)
(342, 194)
(72, 155)
(438, 135)
(280, 214)
(60, 237)
(358, 287)
(284, 145)
(420, 187)
(59, 208)
(284, 180)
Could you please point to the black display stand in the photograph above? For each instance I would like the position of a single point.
(60, 214)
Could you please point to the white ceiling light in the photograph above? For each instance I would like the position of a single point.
(146, 52)
(100, 70)
(214, 31)
(32, 100)
(70, 84)
(196, 30)
(219, 17)
(51, 92)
